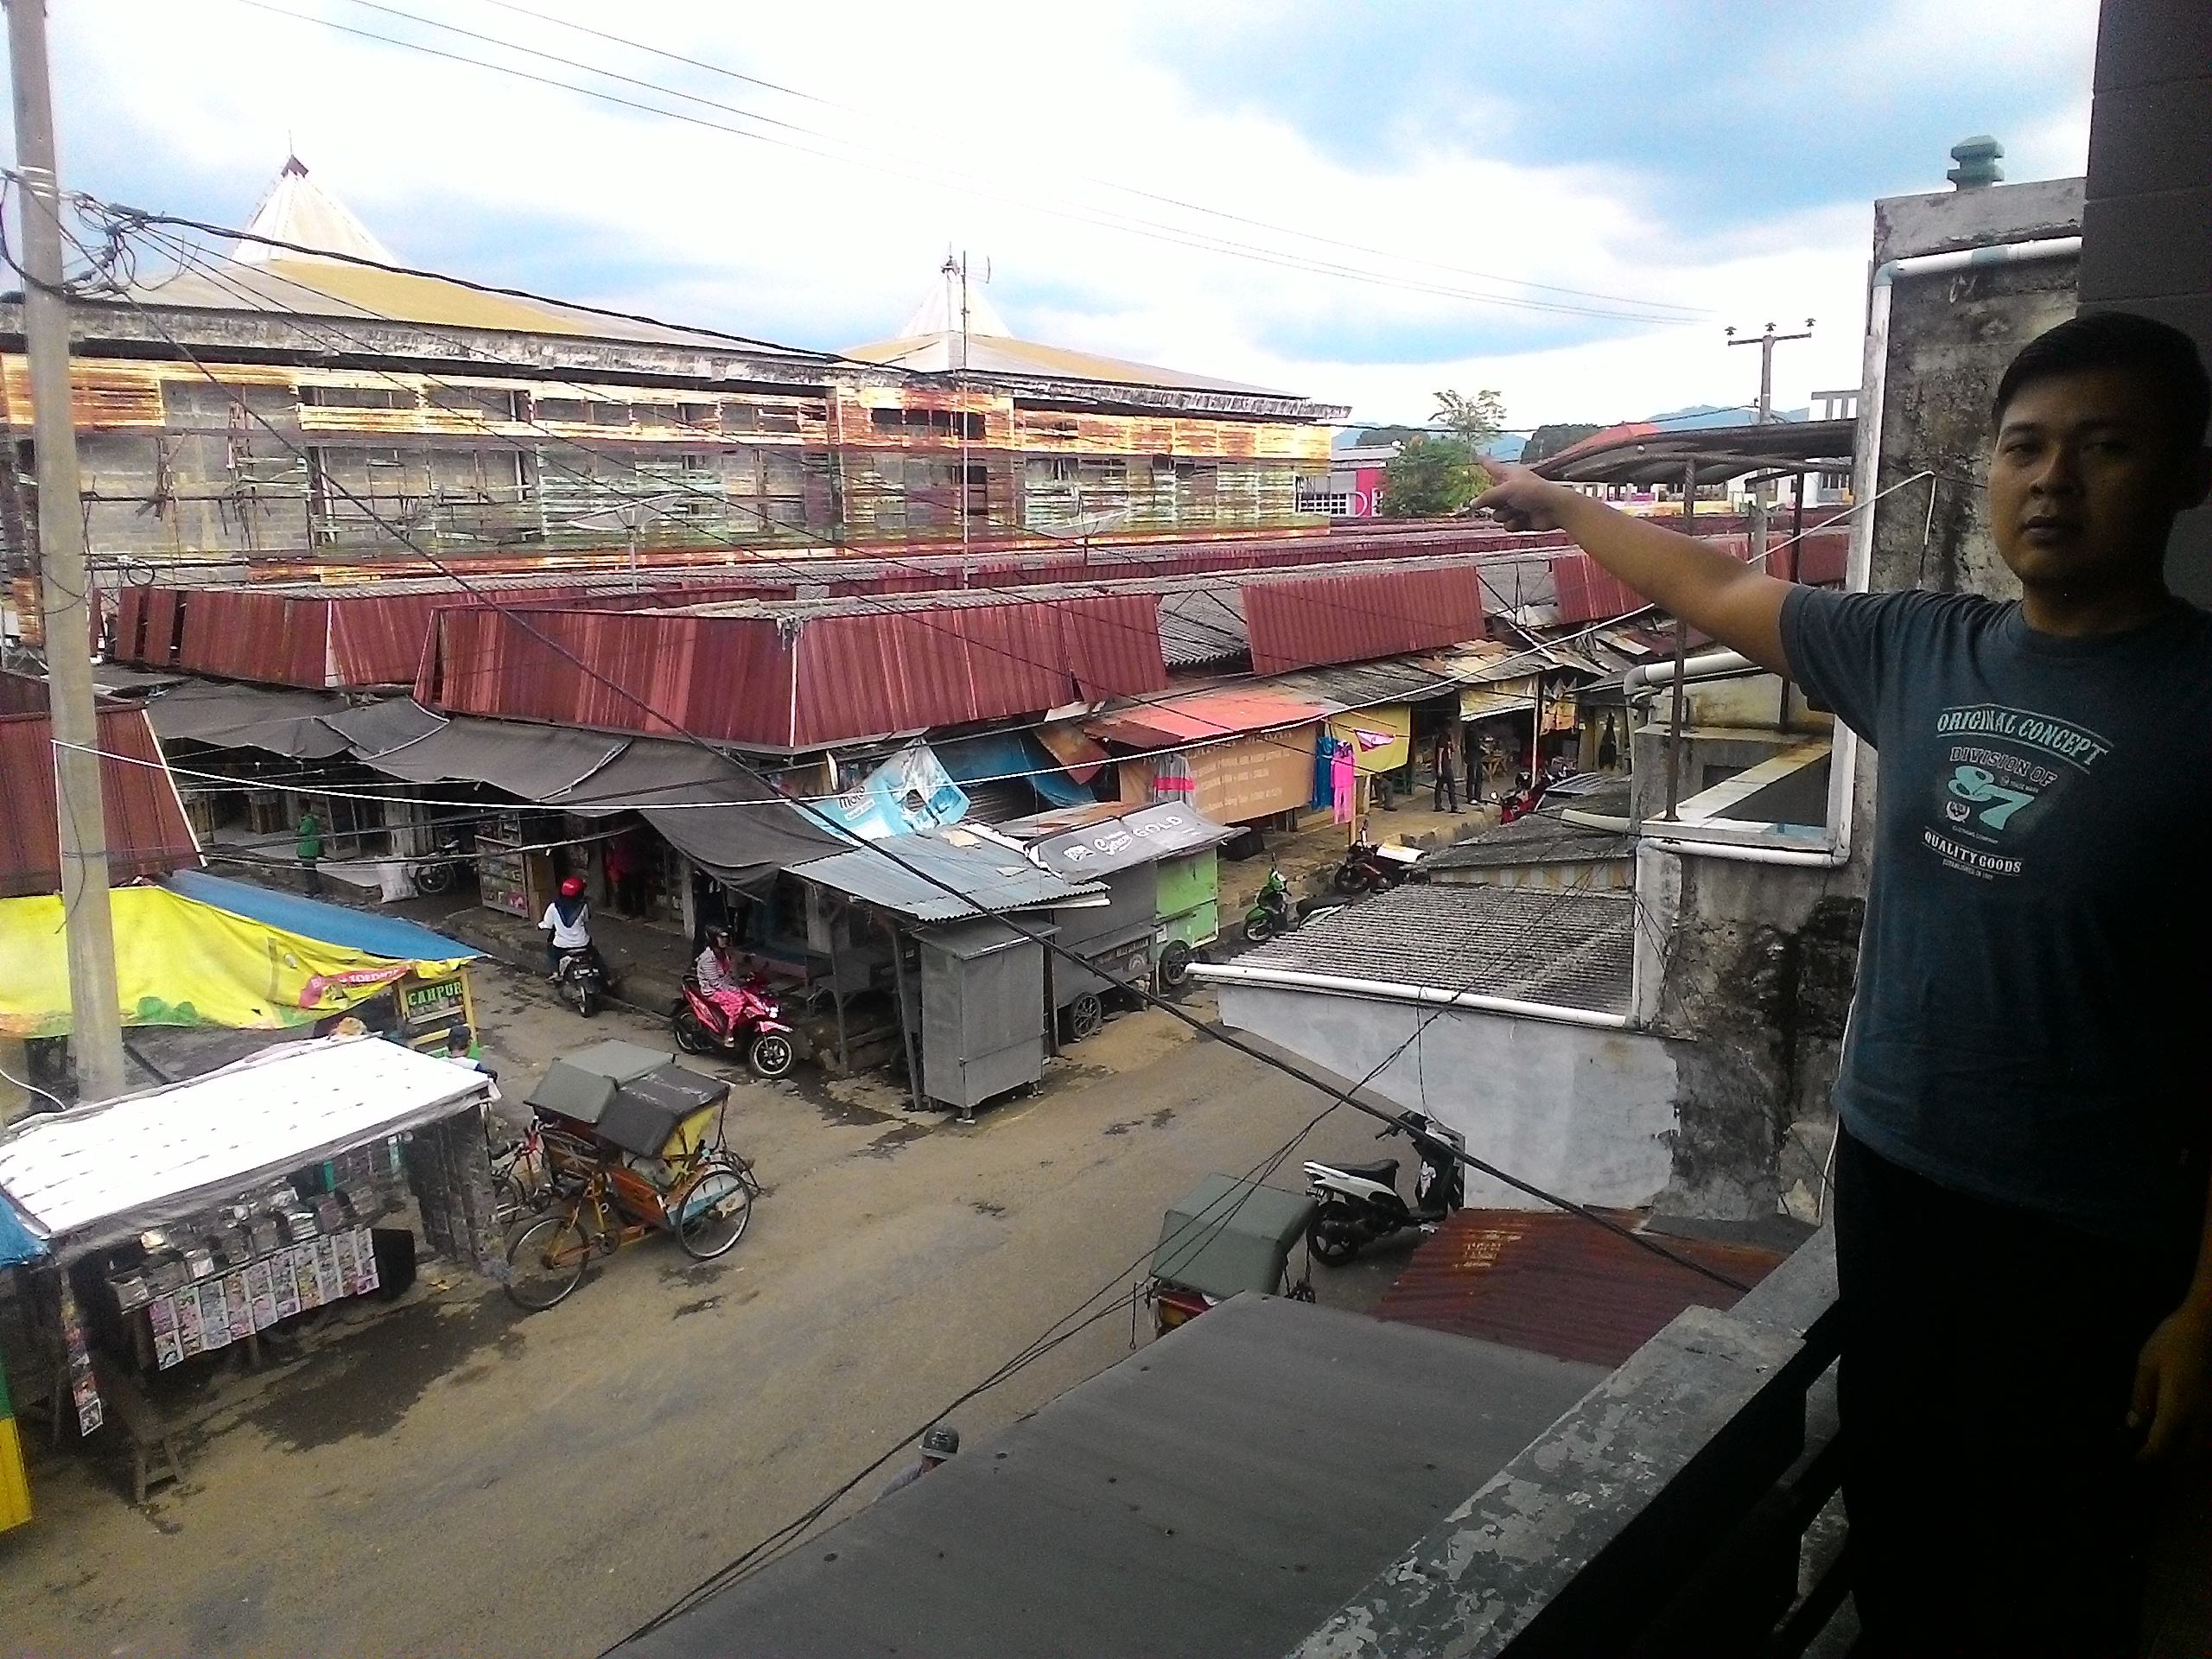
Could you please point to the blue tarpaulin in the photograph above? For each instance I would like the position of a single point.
(17, 1242)
(375, 936)
(1011, 754)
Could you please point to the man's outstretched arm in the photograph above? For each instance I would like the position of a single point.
(1737, 605)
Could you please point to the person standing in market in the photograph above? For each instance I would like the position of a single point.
(309, 847)
(2022, 1242)
(1447, 775)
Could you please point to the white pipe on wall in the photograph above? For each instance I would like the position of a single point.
(1286, 979)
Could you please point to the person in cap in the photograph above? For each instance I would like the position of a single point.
(938, 1445)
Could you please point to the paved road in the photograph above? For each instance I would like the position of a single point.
(452, 1477)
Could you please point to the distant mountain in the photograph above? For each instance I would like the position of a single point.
(1701, 415)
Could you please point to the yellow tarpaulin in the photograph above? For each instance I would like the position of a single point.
(1381, 739)
(180, 963)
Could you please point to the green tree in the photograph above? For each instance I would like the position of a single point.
(1375, 437)
(1474, 421)
(1430, 477)
(1547, 440)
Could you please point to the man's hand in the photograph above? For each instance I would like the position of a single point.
(1522, 500)
(2173, 1387)
(1739, 607)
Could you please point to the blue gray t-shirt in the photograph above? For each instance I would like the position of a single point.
(2035, 979)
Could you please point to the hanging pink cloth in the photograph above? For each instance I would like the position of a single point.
(1343, 784)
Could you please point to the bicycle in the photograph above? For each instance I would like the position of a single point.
(601, 1205)
(521, 1181)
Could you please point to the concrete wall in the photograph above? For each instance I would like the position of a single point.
(1587, 1113)
(2147, 227)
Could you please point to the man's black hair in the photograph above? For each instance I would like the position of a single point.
(2119, 340)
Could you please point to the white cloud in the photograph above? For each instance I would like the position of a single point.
(619, 207)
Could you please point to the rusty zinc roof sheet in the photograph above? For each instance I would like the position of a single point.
(1556, 1284)
(1349, 618)
(147, 834)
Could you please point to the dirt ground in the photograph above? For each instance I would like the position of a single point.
(445, 1475)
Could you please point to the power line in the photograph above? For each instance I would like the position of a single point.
(1108, 184)
(1106, 219)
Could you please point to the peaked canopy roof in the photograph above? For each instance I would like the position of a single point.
(930, 342)
(298, 210)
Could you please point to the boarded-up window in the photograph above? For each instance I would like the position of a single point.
(314, 397)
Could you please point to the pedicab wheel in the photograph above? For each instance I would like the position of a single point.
(1329, 1240)
(712, 1212)
(546, 1262)
(1086, 1015)
(771, 1056)
(1174, 965)
(691, 1036)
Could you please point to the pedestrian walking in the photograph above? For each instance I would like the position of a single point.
(309, 847)
(1447, 776)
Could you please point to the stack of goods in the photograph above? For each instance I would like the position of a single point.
(219, 1278)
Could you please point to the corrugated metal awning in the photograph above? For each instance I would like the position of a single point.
(987, 877)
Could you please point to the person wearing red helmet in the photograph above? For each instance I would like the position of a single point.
(568, 920)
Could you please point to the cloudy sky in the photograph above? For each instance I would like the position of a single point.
(1361, 202)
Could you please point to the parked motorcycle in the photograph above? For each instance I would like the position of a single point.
(1370, 868)
(1360, 1201)
(437, 873)
(758, 1030)
(580, 978)
(1273, 913)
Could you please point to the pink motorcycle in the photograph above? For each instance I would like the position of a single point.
(755, 1029)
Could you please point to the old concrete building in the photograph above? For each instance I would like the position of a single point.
(284, 404)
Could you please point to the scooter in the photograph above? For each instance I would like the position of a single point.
(435, 874)
(1360, 1201)
(1370, 868)
(580, 978)
(759, 1031)
(1273, 913)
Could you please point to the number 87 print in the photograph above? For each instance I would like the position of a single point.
(1976, 785)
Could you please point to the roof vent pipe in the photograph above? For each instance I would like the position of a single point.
(1977, 158)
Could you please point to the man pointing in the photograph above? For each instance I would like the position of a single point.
(2020, 1192)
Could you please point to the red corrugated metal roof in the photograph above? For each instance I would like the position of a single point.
(1351, 618)
(1589, 593)
(1203, 718)
(1554, 1284)
(147, 834)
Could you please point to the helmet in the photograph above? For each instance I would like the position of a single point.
(941, 1442)
(571, 888)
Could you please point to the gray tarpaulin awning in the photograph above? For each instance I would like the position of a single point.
(1155, 833)
(719, 815)
(532, 763)
(380, 727)
(289, 723)
(991, 877)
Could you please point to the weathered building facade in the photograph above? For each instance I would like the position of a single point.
(277, 405)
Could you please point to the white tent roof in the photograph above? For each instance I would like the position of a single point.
(94, 1174)
(298, 210)
(938, 313)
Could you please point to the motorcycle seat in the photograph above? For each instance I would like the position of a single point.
(1384, 1170)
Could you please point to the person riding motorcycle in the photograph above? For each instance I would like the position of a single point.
(717, 977)
(568, 918)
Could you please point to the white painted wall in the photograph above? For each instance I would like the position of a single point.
(1587, 1113)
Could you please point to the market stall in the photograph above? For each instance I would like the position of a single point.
(181, 1220)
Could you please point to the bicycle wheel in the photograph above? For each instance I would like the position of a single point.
(546, 1262)
(712, 1212)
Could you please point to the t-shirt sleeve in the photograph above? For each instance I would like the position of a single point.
(1844, 649)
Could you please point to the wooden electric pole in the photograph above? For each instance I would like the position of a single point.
(97, 1023)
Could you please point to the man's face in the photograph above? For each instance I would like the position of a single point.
(2085, 479)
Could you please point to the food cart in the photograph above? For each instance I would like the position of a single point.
(1223, 1236)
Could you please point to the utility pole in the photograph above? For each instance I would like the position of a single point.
(97, 1038)
(1766, 342)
